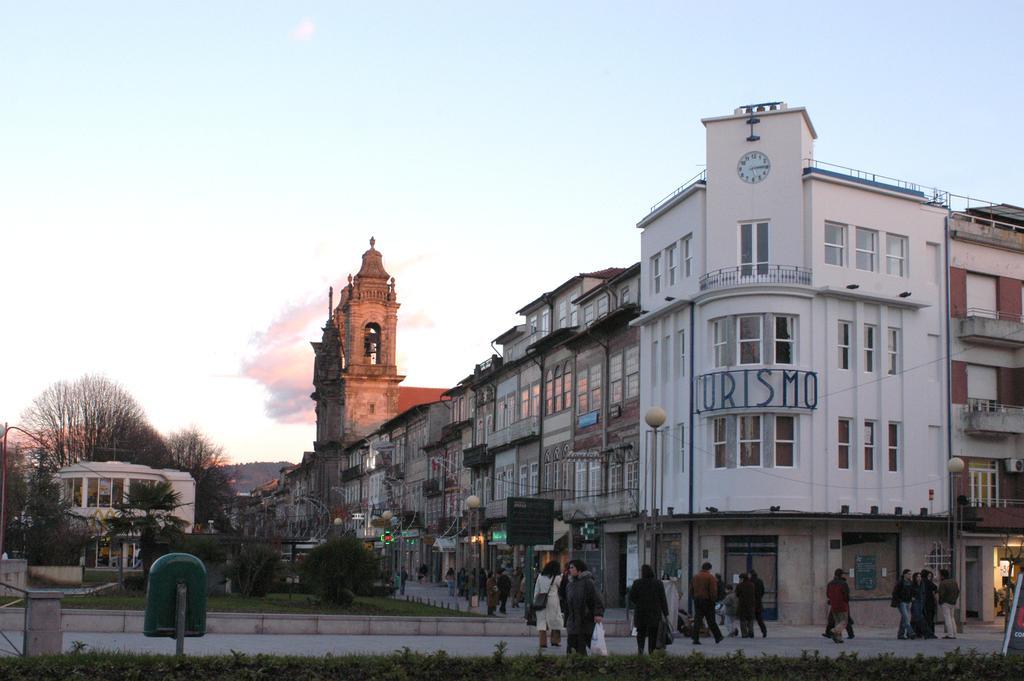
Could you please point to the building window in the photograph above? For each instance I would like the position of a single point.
(524, 480)
(896, 255)
(549, 390)
(574, 314)
(750, 440)
(869, 348)
(670, 256)
(534, 470)
(524, 402)
(566, 386)
(869, 445)
(681, 354)
(687, 256)
(894, 351)
(92, 491)
(563, 313)
(582, 392)
(654, 362)
(632, 372)
(719, 445)
(535, 399)
(984, 480)
(104, 493)
(588, 314)
(595, 478)
(681, 445)
(754, 249)
(614, 476)
(785, 441)
(835, 244)
(624, 295)
(749, 337)
(867, 249)
(784, 340)
(595, 386)
(581, 479)
(633, 474)
(545, 321)
(843, 345)
(894, 447)
(615, 378)
(602, 306)
(843, 440)
(656, 273)
(720, 341)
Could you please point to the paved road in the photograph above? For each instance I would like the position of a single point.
(782, 640)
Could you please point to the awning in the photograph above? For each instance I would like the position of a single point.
(561, 529)
(444, 543)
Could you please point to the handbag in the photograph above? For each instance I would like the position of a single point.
(540, 601)
(665, 637)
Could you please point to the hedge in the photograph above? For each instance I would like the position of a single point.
(500, 667)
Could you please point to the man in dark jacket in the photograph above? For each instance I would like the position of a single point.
(504, 589)
(759, 605)
(704, 591)
(838, 594)
(902, 597)
(746, 595)
(584, 608)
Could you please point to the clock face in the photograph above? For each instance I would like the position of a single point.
(753, 167)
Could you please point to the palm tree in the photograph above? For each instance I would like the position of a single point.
(148, 514)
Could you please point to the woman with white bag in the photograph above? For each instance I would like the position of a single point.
(584, 607)
(546, 606)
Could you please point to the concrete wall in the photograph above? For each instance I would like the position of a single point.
(61, 575)
(15, 573)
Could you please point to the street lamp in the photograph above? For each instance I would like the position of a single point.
(955, 466)
(473, 503)
(655, 418)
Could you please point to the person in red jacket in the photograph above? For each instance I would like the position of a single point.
(838, 593)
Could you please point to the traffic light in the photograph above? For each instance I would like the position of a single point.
(387, 538)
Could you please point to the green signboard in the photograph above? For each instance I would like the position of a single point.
(865, 574)
(499, 536)
(530, 521)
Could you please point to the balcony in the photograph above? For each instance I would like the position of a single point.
(989, 327)
(477, 456)
(523, 429)
(351, 473)
(613, 504)
(990, 419)
(995, 514)
(432, 487)
(755, 275)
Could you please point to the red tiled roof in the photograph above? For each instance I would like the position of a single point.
(409, 397)
(606, 273)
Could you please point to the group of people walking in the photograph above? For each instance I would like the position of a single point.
(741, 605)
(567, 600)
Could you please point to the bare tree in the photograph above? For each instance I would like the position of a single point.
(192, 451)
(85, 419)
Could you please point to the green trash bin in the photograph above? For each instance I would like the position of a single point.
(162, 590)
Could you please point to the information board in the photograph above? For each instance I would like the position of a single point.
(530, 521)
(1013, 640)
(865, 574)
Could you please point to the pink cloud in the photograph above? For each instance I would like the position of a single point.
(416, 320)
(304, 31)
(282, 362)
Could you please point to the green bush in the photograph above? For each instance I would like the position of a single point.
(340, 569)
(206, 548)
(135, 582)
(254, 569)
(502, 667)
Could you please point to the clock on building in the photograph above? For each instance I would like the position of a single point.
(753, 167)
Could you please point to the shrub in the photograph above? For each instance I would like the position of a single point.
(340, 569)
(204, 547)
(254, 569)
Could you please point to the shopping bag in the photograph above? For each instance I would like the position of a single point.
(665, 637)
(597, 642)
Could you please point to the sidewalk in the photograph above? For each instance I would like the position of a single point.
(782, 640)
(438, 594)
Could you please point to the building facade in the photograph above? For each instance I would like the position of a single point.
(794, 318)
(987, 400)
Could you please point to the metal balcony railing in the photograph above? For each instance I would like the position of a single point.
(976, 404)
(755, 274)
(994, 314)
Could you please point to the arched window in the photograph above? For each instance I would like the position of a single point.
(371, 342)
(567, 386)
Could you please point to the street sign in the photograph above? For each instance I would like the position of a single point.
(1013, 642)
(530, 521)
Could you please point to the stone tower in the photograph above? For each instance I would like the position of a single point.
(355, 375)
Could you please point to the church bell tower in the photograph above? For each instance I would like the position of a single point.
(355, 374)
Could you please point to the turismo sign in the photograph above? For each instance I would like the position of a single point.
(756, 389)
(1013, 641)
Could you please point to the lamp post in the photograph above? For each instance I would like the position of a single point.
(473, 504)
(955, 466)
(655, 418)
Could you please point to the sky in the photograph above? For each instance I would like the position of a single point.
(180, 183)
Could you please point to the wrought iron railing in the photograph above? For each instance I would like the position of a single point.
(994, 314)
(755, 274)
(976, 404)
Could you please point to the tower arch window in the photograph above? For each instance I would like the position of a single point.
(371, 342)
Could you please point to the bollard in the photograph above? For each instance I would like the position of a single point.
(42, 623)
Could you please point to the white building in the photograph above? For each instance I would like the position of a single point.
(95, 488)
(794, 333)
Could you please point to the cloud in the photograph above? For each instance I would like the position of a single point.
(416, 320)
(304, 31)
(282, 362)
